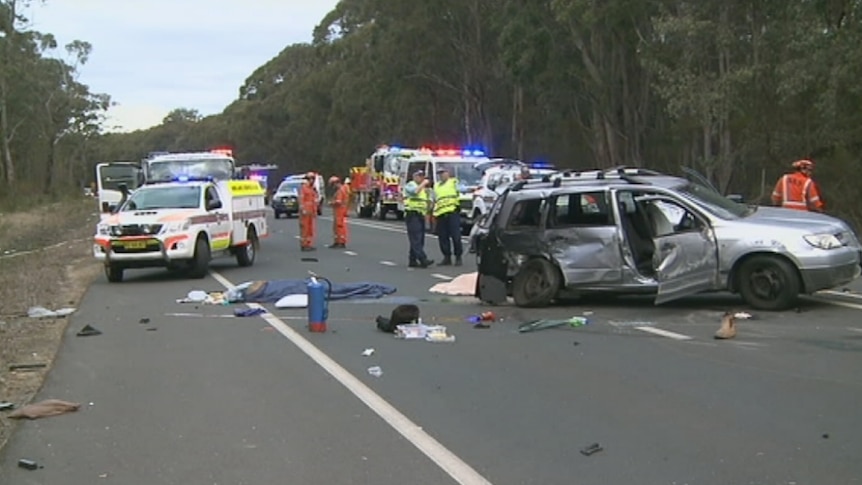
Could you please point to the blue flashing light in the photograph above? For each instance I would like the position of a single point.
(478, 153)
(542, 165)
(182, 178)
(185, 178)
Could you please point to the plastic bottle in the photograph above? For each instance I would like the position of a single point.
(578, 321)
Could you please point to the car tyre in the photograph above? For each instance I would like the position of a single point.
(245, 254)
(769, 283)
(114, 273)
(199, 266)
(536, 284)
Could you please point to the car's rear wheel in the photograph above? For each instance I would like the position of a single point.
(536, 284)
(769, 283)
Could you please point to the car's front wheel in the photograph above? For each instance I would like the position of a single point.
(769, 283)
(536, 284)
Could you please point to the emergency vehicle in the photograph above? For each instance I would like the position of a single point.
(498, 174)
(293, 183)
(111, 177)
(378, 183)
(190, 210)
(461, 164)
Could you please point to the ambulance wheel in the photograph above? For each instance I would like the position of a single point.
(199, 266)
(245, 255)
(380, 210)
(114, 273)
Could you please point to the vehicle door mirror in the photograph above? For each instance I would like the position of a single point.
(492, 185)
(736, 198)
(213, 205)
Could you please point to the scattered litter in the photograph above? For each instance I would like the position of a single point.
(825, 436)
(438, 333)
(727, 329)
(543, 324)
(144, 321)
(481, 325)
(27, 366)
(45, 409)
(482, 317)
(586, 314)
(632, 323)
(308, 260)
(103, 475)
(368, 352)
(420, 331)
(743, 316)
(152, 329)
(375, 371)
(28, 464)
(211, 298)
(42, 312)
(463, 285)
(401, 315)
(576, 343)
(88, 331)
(248, 312)
(6, 406)
(591, 449)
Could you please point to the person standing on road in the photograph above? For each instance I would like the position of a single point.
(447, 213)
(307, 213)
(416, 205)
(339, 212)
(798, 190)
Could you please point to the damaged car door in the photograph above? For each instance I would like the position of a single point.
(582, 238)
(686, 251)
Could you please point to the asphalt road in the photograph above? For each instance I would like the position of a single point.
(198, 397)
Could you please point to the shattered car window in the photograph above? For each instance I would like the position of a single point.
(713, 202)
(526, 213)
(581, 209)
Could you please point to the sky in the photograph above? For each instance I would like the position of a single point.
(153, 56)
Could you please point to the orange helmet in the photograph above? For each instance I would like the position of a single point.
(334, 179)
(803, 165)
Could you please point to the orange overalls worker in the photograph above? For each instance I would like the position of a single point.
(307, 213)
(798, 190)
(339, 212)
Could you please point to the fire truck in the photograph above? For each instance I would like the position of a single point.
(378, 182)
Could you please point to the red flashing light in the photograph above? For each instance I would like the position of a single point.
(223, 151)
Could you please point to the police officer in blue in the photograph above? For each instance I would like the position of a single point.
(416, 207)
(447, 213)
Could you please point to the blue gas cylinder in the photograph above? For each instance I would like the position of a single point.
(318, 306)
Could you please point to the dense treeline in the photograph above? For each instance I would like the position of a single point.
(734, 88)
(48, 119)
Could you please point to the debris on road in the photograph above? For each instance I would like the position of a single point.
(309, 260)
(6, 406)
(28, 464)
(482, 317)
(144, 321)
(42, 312)
(420, 331)
(463, 285)
(88, 331)
(591, 449)
(368, 352)
(39, 365)
(375, 371)
(728, 327)
(632, 323)
(248, 312)
(544, 323)
(743, 316)
(45, 409)
(401, 314)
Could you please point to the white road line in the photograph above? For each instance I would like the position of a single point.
(454, 466)
(830, 301)
(388, 263)
(350, 253)
(846, 294)
(441, 276)
(855, 329)
(386, 227)
(663, 333)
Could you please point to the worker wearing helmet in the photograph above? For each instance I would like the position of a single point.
(339, 212)
(307, 213)
(797, 190)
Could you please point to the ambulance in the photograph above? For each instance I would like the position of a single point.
(190, 210)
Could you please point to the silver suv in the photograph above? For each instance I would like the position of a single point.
(639, 231)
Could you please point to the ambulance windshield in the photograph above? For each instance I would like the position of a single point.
(174, 197)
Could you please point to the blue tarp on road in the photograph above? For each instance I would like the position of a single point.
(272, 291)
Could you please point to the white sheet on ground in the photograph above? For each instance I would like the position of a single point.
(463, 285)
(293, 301)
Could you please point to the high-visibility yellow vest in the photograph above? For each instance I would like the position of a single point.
(446, 198)
(417, 202)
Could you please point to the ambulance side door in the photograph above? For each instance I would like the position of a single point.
(219, 225)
